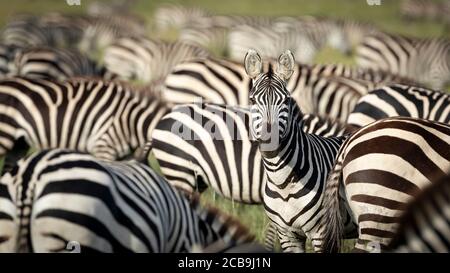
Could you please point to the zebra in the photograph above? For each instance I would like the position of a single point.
(192, 158)
(110, 120)
(425, 60)
(296, 163)
(7, 55)
(318, 91)
(147, 60)
(177, 16)
(63, 196)
(89, 34)
(24, 32)
(424, 226)
(57, 64)
(400, 100)
(379, 169)
(304, 36)
(103, 31)
(210, 37)
(423, 9)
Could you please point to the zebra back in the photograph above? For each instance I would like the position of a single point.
(400, 100)
(57, 64)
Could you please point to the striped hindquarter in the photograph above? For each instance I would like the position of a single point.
(400, 100)
(65, 198)
(425, 225)
(380, 168)
(107, 119)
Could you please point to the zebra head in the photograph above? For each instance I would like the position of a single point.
(270, 101)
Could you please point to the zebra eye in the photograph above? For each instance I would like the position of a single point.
(252, 100)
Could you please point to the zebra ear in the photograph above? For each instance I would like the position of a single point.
(286, 64)
(252, 63)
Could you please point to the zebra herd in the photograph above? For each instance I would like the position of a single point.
(330, 151)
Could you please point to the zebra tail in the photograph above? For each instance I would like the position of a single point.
(332, 221)
(24, 209)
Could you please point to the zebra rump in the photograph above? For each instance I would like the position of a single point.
(379, 169)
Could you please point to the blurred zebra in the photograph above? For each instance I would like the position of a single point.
(57, 64)
(107, 119)
(63, 196)
(148, 60)
(103, 31)
(212, 38)
(7, 55)
(90, 34)
(305, 37)
(296, 163)
(379, 169)
(400, 100)
(177, 16)
(425, 9)
(313, 87)
(424, 60)
(425, 225)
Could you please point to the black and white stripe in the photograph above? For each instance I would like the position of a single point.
(202, 145)
(147, 60)
(315, 88)
(378, 170)
(304, 36)
(400, 100)
(425, 225)
(425, 60)
(56, 64)
(296, 163)
(108, 119)
(63, 196)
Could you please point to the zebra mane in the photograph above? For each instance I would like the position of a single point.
(427, 196)
(229, 226)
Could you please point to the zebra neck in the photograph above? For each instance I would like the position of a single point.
(286, 164)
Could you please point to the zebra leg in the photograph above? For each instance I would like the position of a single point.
(291, 242)
(271, 236)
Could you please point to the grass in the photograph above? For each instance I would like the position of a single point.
(384, 16)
